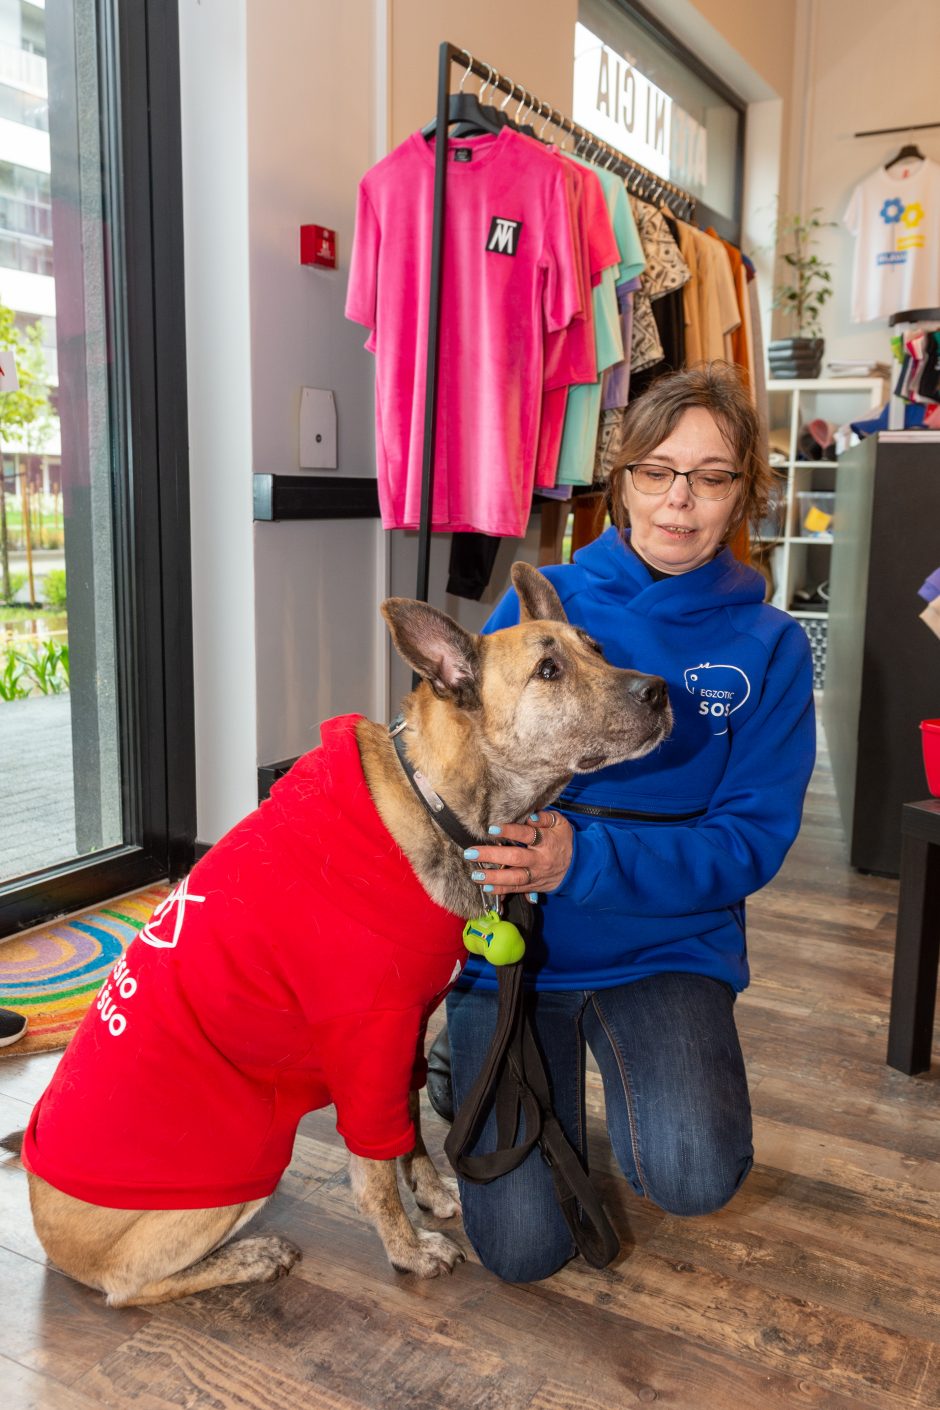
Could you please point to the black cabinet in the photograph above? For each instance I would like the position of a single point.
(883, 663)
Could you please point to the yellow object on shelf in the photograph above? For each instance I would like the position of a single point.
(816, 522)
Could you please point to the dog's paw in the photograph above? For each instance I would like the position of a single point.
(430, 1256)
(265, 1257)
(434, 1193)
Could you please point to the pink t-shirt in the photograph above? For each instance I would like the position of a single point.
(510, 275)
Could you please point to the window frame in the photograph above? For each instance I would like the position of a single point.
(141, 137)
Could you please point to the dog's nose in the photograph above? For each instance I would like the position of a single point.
(650, 690)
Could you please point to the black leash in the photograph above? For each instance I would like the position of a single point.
(513, 1081)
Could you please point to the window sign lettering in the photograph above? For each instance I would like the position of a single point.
(613, 99)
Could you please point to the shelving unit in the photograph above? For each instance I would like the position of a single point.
(799, 560)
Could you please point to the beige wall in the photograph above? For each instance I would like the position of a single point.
(761, 33)
(867, 65)
(531, 41)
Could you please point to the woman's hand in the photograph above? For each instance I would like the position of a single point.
(537, 860)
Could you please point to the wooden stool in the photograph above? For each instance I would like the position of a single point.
(917, 947)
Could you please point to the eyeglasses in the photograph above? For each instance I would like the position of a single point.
(704, 484)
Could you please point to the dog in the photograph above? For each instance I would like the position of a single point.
(497, 726)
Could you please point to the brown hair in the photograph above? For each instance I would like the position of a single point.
(717, 387)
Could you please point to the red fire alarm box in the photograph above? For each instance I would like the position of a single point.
(318, 246)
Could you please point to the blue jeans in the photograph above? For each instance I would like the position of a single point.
(678, 1112)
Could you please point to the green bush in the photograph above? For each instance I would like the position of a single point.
(11, 687)
(54, 587)
(17, 580)
(42, 670)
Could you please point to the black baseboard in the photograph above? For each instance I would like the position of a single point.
(268, 775)
(278, 497)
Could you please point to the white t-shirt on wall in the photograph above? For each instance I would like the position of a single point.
(895, 218)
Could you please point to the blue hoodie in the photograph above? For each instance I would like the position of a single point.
(717, 805)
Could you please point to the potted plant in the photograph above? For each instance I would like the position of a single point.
(803, 296)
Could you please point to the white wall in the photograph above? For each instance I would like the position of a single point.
(867, 65)
(316, 95)
(218, 346)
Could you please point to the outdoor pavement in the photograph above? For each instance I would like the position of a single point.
(37, 805)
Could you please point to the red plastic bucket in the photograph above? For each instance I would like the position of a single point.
(930, 734)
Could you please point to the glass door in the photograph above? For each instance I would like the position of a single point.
(95, 798)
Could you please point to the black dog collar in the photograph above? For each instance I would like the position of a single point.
(446, 820)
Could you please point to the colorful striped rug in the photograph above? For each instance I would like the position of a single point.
(53, 973)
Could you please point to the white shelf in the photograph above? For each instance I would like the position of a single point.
(800, 464)
(789, 554)
(826, 384)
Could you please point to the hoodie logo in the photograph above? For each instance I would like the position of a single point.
(173, 907)
(720, 690)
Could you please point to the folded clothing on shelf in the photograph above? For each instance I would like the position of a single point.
(930, 587)
(914, 416)
(795, 357)
(860, 368)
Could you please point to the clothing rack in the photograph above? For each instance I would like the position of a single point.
(644, 183)
(914, 315)
(889, 131)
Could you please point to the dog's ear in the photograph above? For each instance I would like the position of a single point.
(538, 600)
(437, 647)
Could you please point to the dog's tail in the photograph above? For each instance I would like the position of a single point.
(14, 1142)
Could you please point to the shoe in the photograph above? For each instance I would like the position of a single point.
(12, 1027)
(439, 1085)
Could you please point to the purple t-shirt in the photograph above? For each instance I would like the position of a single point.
(617, 378)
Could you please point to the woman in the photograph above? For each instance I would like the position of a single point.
(642, 869)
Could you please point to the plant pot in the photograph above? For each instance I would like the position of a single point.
(795, 357)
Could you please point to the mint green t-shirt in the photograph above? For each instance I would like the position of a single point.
(582, 417)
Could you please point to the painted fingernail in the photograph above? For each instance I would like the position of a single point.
(487, 888)
(471, 854)
(494, 831)
(533, 895)
(478, 876)
(533, 817)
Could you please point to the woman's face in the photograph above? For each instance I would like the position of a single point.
(675, 531)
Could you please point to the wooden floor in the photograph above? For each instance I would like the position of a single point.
(819, 1286)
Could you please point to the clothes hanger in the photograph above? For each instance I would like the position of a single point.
(491, 113)
(518, 121)
(547, 119)
(910, 152)
(467, 109)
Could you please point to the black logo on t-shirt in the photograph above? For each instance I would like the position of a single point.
(463, 154)
(504, 236)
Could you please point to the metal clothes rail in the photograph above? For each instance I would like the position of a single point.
(639, 179)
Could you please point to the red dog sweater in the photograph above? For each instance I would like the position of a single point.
(297, 965)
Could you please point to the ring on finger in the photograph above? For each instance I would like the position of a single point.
(528, 876)
(554, 820)
(538, 837)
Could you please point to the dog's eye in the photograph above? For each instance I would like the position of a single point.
(548, 669)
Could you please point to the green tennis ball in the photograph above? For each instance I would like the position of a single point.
(497, 940)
